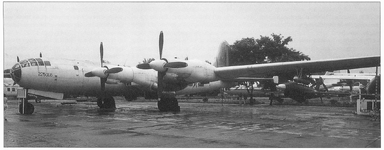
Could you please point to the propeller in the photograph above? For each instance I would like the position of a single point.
(102, 80)
(160, 74)
(161, 43)
(162, 64)
(18, 59)
(103, 71)
(41, 55)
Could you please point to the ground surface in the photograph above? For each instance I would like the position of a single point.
(198, 125)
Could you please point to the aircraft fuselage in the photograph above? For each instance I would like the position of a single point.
(63, 76)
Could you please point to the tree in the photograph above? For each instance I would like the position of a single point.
(146, 61)
(263, 50)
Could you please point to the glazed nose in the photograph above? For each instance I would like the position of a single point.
(16, 73)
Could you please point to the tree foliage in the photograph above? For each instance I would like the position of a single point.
(263, 50)
(147, 61)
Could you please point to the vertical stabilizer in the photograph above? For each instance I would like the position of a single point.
(222, 57)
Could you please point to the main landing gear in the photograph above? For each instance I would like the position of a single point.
(166, 104)
(107, 103)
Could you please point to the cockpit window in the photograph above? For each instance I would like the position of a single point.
(24, 63)
(33, 62)
(76, 67)
(47, 63)
(41, 63)
(16, 66)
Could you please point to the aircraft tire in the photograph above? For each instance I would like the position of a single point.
(168, 104)
(29, 108)
(99, 102)
(161, 106)
(174, 105)
(109, 103)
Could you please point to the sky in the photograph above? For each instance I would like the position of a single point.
(130, 30)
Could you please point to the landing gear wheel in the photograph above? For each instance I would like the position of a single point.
(28, 109)
(174, 105)
(99, 102)
(168, 104)
(162, 106)
(108, 103)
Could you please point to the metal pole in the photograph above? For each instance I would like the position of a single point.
(376, 92)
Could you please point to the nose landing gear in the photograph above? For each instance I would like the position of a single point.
(25, 107)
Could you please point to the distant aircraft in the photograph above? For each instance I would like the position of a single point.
(171, 76)
(325, 85)
(329, 84)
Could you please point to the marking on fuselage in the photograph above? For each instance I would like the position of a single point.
(44, 74)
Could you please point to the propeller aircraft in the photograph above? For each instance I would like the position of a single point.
(168, 77)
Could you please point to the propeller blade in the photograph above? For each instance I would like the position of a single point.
(18, 59)
(41, 55)
(101, 54)
(161, 43)
(176, 65)
(348, 71)
(143, 66)
(89, 74)
(114, 70)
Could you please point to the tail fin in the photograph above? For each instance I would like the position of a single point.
(222, 58)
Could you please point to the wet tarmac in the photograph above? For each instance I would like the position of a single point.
(198, 125)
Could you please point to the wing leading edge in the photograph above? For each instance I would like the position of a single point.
(271, 69)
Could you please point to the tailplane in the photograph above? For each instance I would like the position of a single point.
(222, 58)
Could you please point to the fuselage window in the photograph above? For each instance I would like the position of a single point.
(41, 63)
(8, 89)
(13, 89)
(76, 68)
(33, 62)
(47, 63)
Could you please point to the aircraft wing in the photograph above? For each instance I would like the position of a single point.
(271, 69)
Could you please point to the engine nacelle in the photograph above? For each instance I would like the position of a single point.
(196, 71)
(145, 78)
(125, 76)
